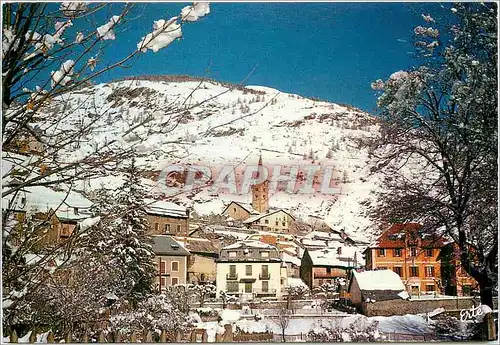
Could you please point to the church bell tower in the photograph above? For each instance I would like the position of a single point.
(260, 192)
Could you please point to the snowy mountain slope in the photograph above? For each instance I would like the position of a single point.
(231, 126)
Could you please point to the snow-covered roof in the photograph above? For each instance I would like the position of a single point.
(250, 244)
(323, 235)
(290, 258)
(291, 281)
(247, 207)
(166, 208)
(379, 280)
(44, 199)
(330, 257)
(262, 215)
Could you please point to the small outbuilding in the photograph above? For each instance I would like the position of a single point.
(375, 286)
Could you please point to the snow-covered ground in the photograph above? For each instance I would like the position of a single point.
(407, 324)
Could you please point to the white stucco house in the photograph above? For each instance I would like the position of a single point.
(251, 270)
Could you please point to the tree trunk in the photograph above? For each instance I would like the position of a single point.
(486, 292)
(283, 335)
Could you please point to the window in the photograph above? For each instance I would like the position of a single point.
(232, 254)
(320, 281)
(264, 254)
(466, 290)
(265, 271)
(232, 270)
(167, 228)
(381, 252)
(283, 224)
(413, 251)
(266, 221)
(429, 271)
(163, 267)
(75, 210)
(175, 280)
(232, 286)
(175, 266)
(429, 252)
(277, 223)
(265, 286)
(163, 282)
(430, 288)
(248, 270)
(397, 252)
(248, 287)
(328, 270)
(414, 271)
(398, 270)
(178, 229)
(234, 209)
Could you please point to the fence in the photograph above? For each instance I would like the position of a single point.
(102, 336)
(290, 338)
(393, 336)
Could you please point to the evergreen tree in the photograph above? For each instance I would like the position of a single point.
(133, 246)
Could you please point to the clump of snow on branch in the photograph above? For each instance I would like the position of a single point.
(196, 11)
(89, 222)
(79, 37)
(62, 77)
(60, 28)
(428, 18)
(423, 31)
(378, 85)
(105, 31)
(164, 33)
(72, 9)
(92, 62)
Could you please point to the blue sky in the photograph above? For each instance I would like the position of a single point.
(328, 50)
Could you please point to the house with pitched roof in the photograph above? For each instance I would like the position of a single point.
(58, 211)
(239, 211)
(201, 263)
(373, 286)
(171, 259)
(167, 218)
(249, 270)
(415, 255)
(323, 266)
(273, 221)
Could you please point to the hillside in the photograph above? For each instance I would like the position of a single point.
(205, 123)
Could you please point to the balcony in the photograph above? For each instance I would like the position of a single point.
(264, 276)
(264, 292)
(231, 276)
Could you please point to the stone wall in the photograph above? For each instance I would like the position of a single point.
(402, 307)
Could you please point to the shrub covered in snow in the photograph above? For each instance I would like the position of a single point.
(366, 331)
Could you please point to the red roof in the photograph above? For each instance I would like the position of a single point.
(401, 235)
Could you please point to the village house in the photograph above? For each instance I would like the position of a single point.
(239, 211)
(275, 221)
(201, 263)
(249, 270)
(167, 218)
(57, 211)
(372, 286)
(416, 257)
(172, 261)
(324, 266)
